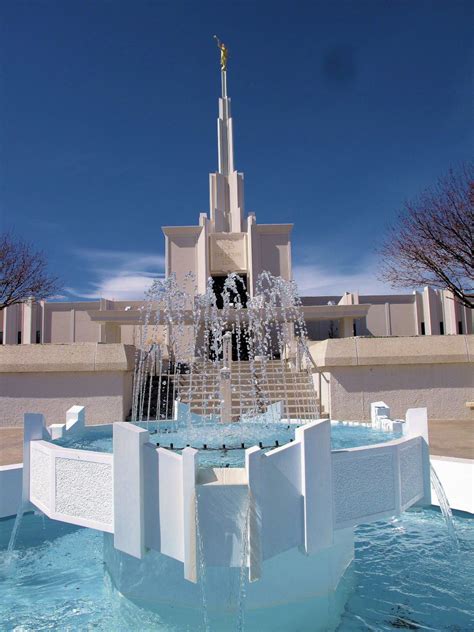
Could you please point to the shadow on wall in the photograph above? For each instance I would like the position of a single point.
(443, 388)
(66, 384)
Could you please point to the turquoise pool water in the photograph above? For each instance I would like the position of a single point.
(407, 574)
(216, 435)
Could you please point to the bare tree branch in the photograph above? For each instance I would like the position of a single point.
(432, 240)
(23, 273)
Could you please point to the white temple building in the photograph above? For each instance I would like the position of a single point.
(405, 349)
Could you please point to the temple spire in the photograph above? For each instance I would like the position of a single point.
(226, 186)
(225, 135)
(224, 83)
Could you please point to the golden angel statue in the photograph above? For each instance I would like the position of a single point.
(224, 52)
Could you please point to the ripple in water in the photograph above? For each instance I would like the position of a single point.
(407, 574)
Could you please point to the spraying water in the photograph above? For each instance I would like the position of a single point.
(182, 347)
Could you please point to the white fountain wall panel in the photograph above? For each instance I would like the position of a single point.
(11, 481)
(84, 490)
(164, 510)
(411, 472)
(281, 500)
(41, 475)
(223, 510)
(74, 486)
(291, 577)
(365, 485)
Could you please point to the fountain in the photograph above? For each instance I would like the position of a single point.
(226, 497)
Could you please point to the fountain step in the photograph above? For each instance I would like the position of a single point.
(289, 378)
(235, 374)
(245, 380)
(247, 386)
(215, 403)
(275, 377)
(270, 382)
(292, 414)
(241, 362)
(249, 393)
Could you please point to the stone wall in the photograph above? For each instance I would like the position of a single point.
(432, 371)
(51, 378)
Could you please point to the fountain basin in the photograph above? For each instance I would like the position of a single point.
(295, 589)
(277, 533)
(294, 496)
(210, 437)
(405, 575)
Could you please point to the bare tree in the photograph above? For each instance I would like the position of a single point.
(23, 273)
(431, 243)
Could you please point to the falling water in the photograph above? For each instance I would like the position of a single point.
(444, 505)
(14, 534)
(243, 566)
(201, 562)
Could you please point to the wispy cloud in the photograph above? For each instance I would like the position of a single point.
(118, 275)
(122, 275)
(326, 280)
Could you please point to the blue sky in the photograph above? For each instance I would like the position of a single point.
(342, 110)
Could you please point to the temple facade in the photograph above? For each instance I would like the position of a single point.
(227, 239)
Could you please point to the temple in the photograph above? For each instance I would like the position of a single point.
(364, 348)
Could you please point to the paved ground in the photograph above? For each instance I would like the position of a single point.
(452, 438)
(11, 445)
(447, 438)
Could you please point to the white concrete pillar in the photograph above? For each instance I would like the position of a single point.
(227, 350)
(378, 410)
(75, 419)
(298, 355)
(33, 430)
(129, 497)
(388, 320)
(449, 311)
(202, 255)
(44, 335)
(346, 327)
(28, 327)
(57, 431)
(226, 395)
(316, 484)
(430, 312)
(190, 467)
(75, 423)
(253, 251)
(418, 311)
(253, 465)
(416, 424)
(465, 316)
